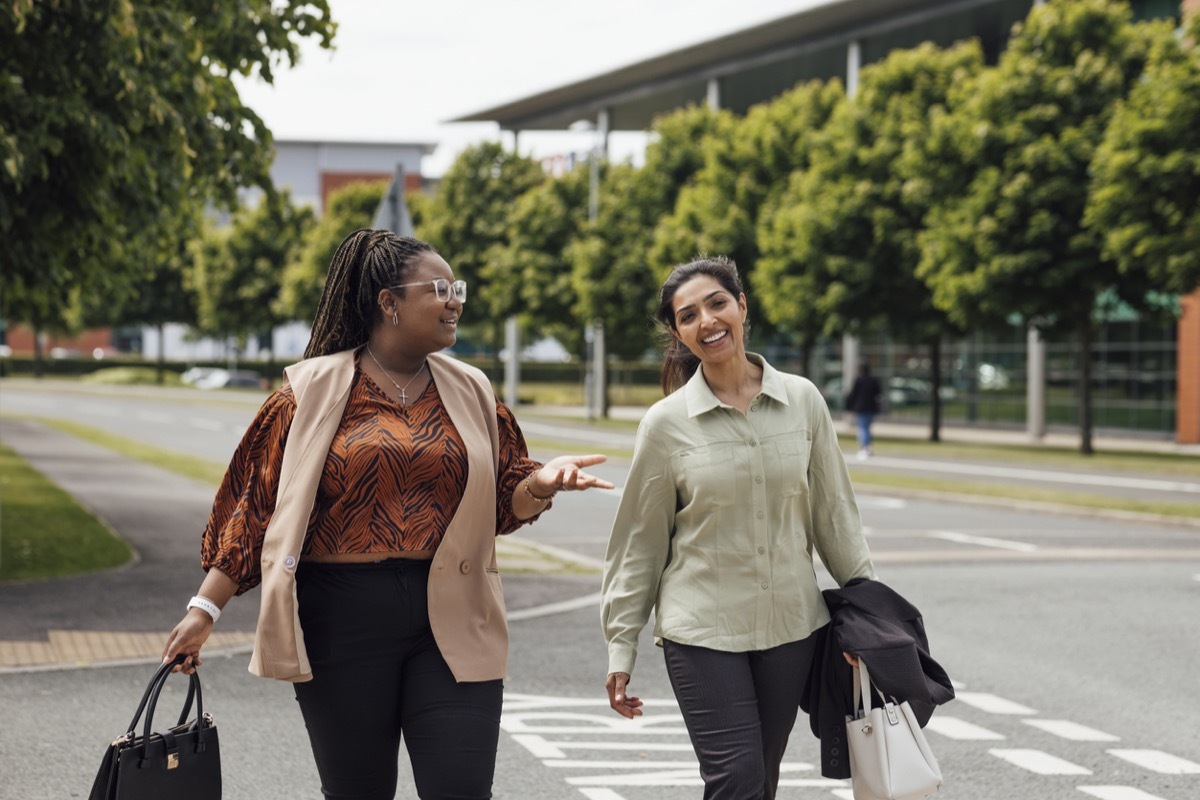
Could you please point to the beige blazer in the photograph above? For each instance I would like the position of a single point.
(466, 600)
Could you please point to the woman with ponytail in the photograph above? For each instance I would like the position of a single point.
(365, 498)
(737, 475)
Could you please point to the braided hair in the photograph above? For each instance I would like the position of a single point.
(680, 363)
(365, 262)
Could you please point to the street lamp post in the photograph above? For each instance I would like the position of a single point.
(595, 388)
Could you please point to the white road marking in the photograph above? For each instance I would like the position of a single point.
(954, 728)
(1071, 730)
(1041, 475)
(155, 416)
(1039, 762)
(555, 608)
(1117, 793)
(544, 748)
(982, 541)
(875, 501)
(600, 794)
(1158, 761)
(844, 794)
(206, 424)
(631, 763)
(993, 704)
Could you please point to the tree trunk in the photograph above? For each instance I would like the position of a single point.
(160, 365)
(1085, 387)
(39, 364)
(497, 343)
(935, 395)
(806, 356)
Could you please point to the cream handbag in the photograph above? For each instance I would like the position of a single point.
(889, 757)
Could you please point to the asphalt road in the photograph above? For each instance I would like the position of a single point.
(1073, 641)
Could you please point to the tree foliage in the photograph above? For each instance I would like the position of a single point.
(1145, 189)
(118, 121)
(349, 208)
(467, 220)
(238, 269)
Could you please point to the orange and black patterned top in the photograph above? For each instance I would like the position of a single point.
(394, 476)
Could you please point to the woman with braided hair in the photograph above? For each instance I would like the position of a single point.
(365, 498)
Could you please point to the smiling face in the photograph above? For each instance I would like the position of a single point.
(709, 320)
(426, 324)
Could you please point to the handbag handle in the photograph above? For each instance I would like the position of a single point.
(154, 688)
(862, 687)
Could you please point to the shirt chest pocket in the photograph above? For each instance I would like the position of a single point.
(791, 468)
(707, 476)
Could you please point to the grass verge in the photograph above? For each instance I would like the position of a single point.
(45, 533)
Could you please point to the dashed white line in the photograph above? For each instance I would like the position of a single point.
(206, 424)
(1039, 762)
(631, 763)
(555, 608)
(993, 704)
(154, 416)
(954, 728)
(983, 541)
(1117, 793)
(1073, 731)
(1158, 761)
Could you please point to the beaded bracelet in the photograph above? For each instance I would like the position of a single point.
(529, 491)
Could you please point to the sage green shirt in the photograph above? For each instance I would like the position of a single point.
(719, 519)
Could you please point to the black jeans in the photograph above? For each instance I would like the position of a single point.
(739, 709)
(377, 674)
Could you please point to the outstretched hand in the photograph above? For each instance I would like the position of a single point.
(565, 474)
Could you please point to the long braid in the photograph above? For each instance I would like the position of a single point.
(365, 262)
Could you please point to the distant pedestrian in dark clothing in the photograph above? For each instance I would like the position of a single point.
(864, 401)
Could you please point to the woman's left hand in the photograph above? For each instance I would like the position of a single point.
(565, 474)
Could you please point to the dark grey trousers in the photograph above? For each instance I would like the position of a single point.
(739, 709)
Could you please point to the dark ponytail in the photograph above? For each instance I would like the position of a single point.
(680, 363)
(365, 262)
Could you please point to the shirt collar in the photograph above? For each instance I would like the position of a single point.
(700, 398)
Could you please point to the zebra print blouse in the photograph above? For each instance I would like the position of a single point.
(394, 476)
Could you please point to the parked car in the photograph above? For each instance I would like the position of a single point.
(228, 379)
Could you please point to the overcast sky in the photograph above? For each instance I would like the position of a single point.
(401, 68)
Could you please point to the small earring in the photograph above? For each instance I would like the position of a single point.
(395, 318)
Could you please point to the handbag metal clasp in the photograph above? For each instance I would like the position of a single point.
(172, 760)
(867, 728)
(890, 708)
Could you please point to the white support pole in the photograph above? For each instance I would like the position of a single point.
(1035, 385)
(853, 63)
(599, 360)
(849, 362)
(713, 97)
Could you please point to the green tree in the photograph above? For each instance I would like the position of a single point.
(1145, 191)
(239, 268)
(747, 164)
(349, 208)
(613, 278)
(1015, 241)
(544, 223)
(851, 220)
(118, 121)
(467, 220)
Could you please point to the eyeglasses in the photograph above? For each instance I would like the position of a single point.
(441, 289)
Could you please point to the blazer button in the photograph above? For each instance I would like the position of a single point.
(464, 567)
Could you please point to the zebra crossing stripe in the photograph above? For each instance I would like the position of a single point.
(954, 728)
(1075, 732)
(1158, 761)
(600, 794)
(1039, 762)
(1117, 793)
(993, 704)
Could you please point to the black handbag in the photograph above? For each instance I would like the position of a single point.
(181, 763)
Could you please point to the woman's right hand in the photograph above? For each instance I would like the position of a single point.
(188, 637)
(621, 702)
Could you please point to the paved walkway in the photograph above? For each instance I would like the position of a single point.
(125, 613)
